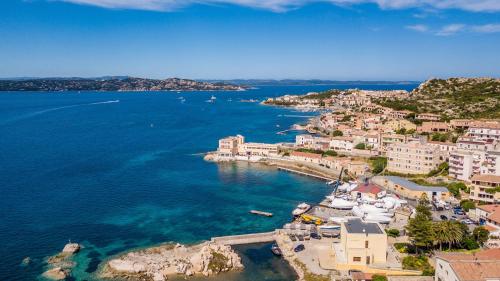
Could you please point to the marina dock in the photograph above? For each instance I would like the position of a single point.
(306, 174)
(245, 238)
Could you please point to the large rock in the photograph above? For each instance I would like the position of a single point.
(127, 266)
(71, 248)
(56, 273)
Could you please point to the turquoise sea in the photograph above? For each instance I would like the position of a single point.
(119, 175)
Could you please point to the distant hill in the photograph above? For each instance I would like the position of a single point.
(311, 82)
(454, 98)
(113, 83)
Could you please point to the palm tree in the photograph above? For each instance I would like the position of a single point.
(441, 233)
(455, 232)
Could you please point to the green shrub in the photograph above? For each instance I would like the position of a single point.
(418, 263)
(337, 133)
(360, 145)
(392, 232)
(467, 205)
(377, 277)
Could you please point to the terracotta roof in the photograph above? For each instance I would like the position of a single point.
(481, 256)
(305, 154)
(495, 216)
(489, 208)
(476, 271)
(486, 178)
(490, 228)
(368, 188)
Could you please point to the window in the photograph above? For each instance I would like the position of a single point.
(366, 244)
(356, 259)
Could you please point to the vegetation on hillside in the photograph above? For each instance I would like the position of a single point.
(453, 98)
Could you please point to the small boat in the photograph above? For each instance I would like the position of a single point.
(261, 213)
(342, 204)
(301, 208)
(276, 250)
(329, 227)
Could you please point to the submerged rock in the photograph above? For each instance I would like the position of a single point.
(26, 261)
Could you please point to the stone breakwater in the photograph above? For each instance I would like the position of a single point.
(157, 263)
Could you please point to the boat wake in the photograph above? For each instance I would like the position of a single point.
(36, 113)
(295, 116)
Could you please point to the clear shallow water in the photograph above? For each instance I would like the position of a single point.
(114, 176)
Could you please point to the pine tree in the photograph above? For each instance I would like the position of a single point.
(420, 228)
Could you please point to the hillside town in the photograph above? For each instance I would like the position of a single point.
(414, 194)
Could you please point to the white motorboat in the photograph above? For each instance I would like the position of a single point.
(329, 227)
(337, 220)
(301, 208)
(377, 218)
(342, 204)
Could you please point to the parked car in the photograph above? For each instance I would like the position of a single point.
(467, 221)
(315, 235)
(299, 248)
(293, 238)
(443, 217)
(453, 218)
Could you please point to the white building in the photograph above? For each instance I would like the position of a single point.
(342, 144)
(484, 130)
(412, 158)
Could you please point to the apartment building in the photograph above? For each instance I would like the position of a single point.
(398, 114)
(462, 124)
(433, 127)
(258, 149)
(481, 184)
(473, 156)
(236, 145)
(306, 157)
(428, 117)
(484, 130)
(229, 146)
(343, 144)
(413, 158)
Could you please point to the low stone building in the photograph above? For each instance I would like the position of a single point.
(411, 190)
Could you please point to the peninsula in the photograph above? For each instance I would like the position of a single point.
(114, 84)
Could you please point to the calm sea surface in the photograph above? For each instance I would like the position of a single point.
(119, 175)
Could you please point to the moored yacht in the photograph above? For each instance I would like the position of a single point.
(301, 208)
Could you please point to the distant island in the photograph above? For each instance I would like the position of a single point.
(309, 82)
(113, 84)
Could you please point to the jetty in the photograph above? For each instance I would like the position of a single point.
(261, 213)
(305, 173)
(263, 237)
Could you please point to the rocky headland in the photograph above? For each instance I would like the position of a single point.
(158, 263)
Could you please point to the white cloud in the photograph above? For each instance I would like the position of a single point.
(453, 29)
(450, 29)
(418, 27)
(487, 28)
(284, 5)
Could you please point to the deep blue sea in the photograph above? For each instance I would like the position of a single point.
(119, 175)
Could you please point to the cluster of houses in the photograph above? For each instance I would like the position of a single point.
(474, 158)
(352, 98)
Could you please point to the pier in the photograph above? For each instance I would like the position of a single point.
(306, 173)
(261, 213)
(252, 238)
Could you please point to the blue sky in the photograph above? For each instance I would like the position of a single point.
(225, 39)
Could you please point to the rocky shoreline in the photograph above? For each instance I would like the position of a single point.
(158, 263)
